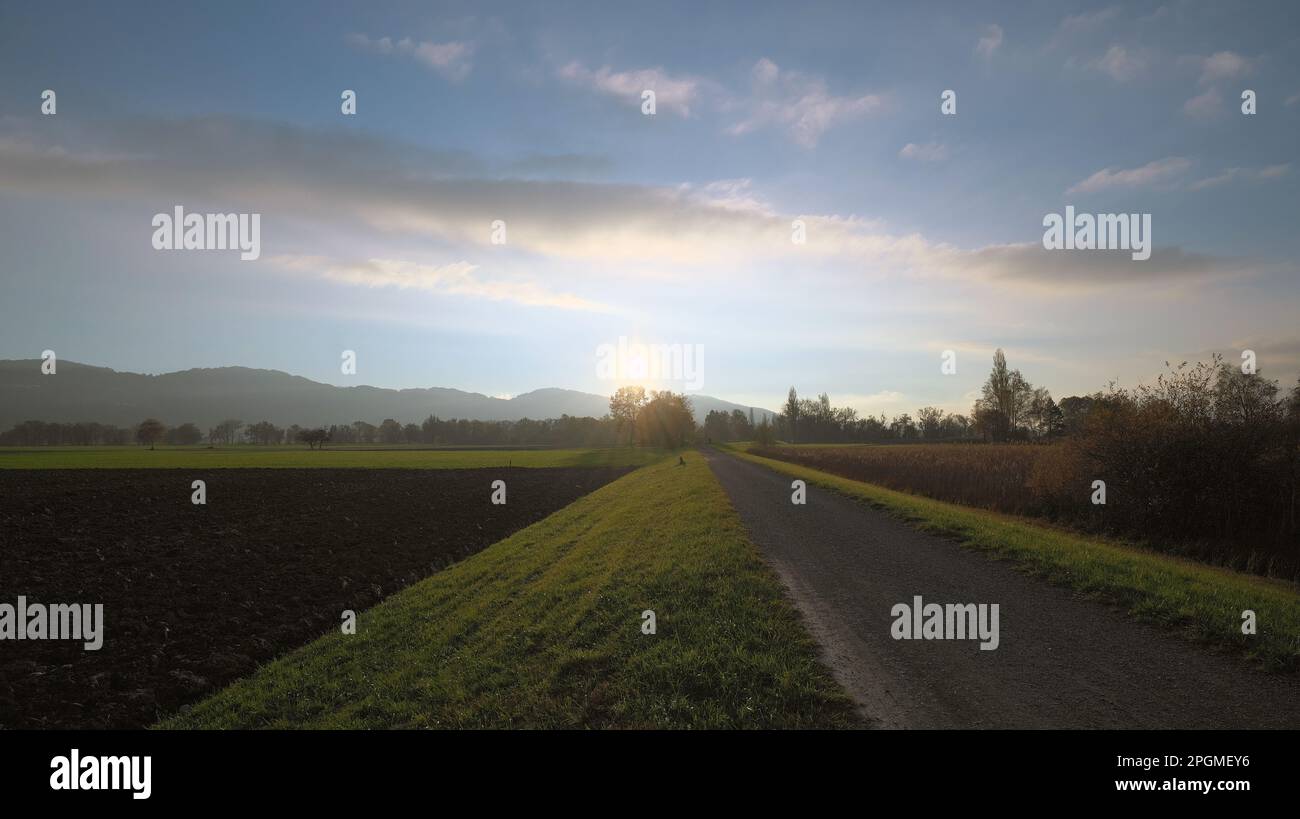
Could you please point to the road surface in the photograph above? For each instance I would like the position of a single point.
(1061, 661)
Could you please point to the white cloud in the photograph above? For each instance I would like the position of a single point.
(928, 152)
(1157, 172)
(1203, 106)
(456, 279)
(675, 94)
(1120, 64)
(990, 42)
(800, 104)
(735, 193)
(451, 59)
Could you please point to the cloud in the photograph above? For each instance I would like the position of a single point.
(456, 279)
(1119, 64)
(674, 94)
(735, 194)
(990, 42)
(1152, 173)
(929, 152)
(1224, 65)
(571, 166)
(1203, 106)
(451, 59)
(332, 182)
(798, 103)
(1242, 174)
(1060, 270)
(1292, 100)
(1078, 23)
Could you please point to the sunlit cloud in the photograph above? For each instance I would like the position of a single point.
(456, 279)
(719, 230)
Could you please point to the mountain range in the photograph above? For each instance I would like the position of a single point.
(80, 392)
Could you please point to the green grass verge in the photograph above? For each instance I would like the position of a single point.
(136, 457)
(543, 630)
(1202, 602)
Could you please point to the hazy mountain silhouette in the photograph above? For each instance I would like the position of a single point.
(79, 392)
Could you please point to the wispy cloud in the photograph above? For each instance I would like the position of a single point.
(1088, 21)
(927, 152)
(1160, 171)
(672, 93)
(990, 41)
(800, 104)
(451, 59)
(1243, 175)
(1223, 65)
(456, 279)
(1120, 64)
(1204, 105)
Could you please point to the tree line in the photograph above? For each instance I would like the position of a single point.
(658, 419)
(564, 431)
(1009, 409)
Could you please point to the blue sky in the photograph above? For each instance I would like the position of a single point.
(923, 230)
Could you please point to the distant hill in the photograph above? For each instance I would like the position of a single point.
(79, 392)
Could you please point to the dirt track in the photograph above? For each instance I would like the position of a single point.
(195, 596)
(1062, 662)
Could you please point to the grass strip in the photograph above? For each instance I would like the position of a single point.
(544, 630)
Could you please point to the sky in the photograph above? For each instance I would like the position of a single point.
(922, 231)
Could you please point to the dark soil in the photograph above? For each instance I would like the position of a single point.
(196, 596)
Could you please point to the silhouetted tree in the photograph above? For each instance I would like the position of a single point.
(150, 431)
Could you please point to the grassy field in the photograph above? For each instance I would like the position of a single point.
(136, 457)
(1202, 602)
(543, 629)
